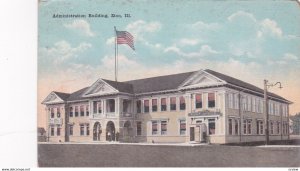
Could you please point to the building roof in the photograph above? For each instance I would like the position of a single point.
(63, 96)
(240, 83)
(161, 83)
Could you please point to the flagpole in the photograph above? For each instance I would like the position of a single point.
(116, 53)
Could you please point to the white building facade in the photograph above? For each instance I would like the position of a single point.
(200, 106)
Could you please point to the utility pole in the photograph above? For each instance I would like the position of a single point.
(266, 86)
(266, 111)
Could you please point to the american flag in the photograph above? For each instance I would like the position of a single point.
(124, 37)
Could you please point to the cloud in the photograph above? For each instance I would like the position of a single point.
(200, 25)
(140, 29)
(241, 15)
(82, 26)
(269, 26)
(204, 51)
(110, 41)
(62, 51)
(188, 42)
(291, 57)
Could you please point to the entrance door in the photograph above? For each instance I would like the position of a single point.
(192, 134)
(97, 131)
(110, 131)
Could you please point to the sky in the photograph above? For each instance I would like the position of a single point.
(248, 40)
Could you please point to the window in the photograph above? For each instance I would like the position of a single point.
(259, 127)
(94, 107)
(70, 129)
(154, 127)
(236, 126)
(139, 128)
(76, 111)
(244, 102)
(110, 105)
(278, 127)
(253, 104)
(88, 129)
(81, 110)
(146, 106)
(71, 112)
(249, 104)
(211, 100)
(58, 112)
(81, 129)
(271, 128)
(52, 131)
(182, 127)
(126, 105)
(154, 105)
(87, 110)
(245, 126)
(198, 101)
(230, 100)
(163, 125)
(249, 126)
(211, 126)
(52, 112)
(163, 106)
(58, 131)
(236, 101)
(99, 107)
(230, 127)
(173, 103)
(139, 106)
(182, 103)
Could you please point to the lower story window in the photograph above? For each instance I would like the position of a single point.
(236, 126)
(88, 129)
(182, 127)
(52, 131)
(139, 128)
(259, 128)
(81, 129)
(154, 127)
(211, 126)
(58, 131)
(245, 126)
(249, 126)
(230, 126)
(163, 127)
(71, 130)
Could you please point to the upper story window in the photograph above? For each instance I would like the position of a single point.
(94, 106)
(198, 101)
(110, 105)
(52, 112)
(244, 102)
(139, 106)
(81, 110)
(249, 103)
(126, 105)
(173, 103)
(163, 104)
(182, 103)
(253, 104)
(99, 107)
(230, 100)
(71, 112)
(76, 111)
(146, 106)
(58, 112)
(154, 105)
(87, 110)
(211, 100)
(236, 101)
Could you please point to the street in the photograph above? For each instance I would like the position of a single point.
(132, 155)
